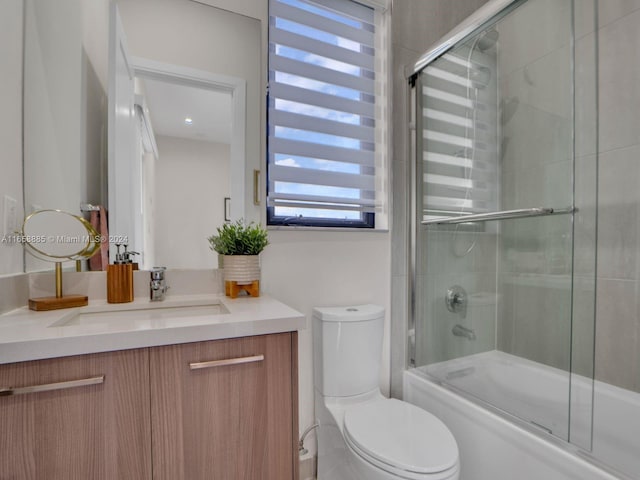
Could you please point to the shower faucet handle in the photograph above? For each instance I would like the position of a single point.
(456, 300)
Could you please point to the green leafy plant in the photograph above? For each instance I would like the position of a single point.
(239, 238)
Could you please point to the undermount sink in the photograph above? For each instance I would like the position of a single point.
(127, 314)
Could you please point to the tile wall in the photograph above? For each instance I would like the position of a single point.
(618, 296)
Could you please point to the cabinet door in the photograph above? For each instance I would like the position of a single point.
(86, 417)
(225, 409)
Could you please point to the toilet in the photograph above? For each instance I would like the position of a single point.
(361, 434)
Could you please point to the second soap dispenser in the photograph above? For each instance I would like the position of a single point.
(120, 279)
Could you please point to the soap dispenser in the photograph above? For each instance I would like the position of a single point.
(120, 278)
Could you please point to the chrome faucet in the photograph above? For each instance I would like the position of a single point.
(158, 287)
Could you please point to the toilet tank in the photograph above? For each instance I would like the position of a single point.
(347, 349)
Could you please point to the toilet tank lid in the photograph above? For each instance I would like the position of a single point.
(353, 313)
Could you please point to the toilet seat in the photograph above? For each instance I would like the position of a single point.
(401, 439)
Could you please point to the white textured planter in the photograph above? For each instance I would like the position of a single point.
(242, 269)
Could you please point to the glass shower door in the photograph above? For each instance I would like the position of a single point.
(494, 249)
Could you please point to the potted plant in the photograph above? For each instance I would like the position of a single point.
(239, 244)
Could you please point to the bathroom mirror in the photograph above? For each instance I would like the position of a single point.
(56, 236)
(66, 101)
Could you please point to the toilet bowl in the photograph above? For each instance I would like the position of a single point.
(362, 435)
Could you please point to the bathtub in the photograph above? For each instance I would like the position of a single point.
(493, 447)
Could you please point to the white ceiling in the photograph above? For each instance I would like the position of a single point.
(170, 103)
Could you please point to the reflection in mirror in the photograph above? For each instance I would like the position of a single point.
(187, 134)
(66, 85)
(55, 236)
(65, 54)
(11, 34)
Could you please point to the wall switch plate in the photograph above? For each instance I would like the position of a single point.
(10, 215)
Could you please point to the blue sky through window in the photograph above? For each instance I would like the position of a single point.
(316, 85)
(286, 187)
(316, 34)
(314, 111)
(316, 164)
(312, 58)
(319, 138)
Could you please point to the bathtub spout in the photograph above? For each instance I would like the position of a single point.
(460, 331)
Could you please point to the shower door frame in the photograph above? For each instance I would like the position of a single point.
(489, 14)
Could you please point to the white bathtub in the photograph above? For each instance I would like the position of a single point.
(494, 448)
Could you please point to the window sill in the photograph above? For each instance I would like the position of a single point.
(299, 228)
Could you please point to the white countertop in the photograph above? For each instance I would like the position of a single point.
(29, 335)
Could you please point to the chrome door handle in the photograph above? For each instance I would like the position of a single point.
(256, 187)
(48, 387)
(226, 362)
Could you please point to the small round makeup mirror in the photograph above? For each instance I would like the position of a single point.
(57, 236)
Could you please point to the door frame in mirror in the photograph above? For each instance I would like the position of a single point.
(237, 87)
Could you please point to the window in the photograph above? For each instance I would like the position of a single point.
(322, 153)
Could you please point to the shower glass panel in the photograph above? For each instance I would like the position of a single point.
(494, 293)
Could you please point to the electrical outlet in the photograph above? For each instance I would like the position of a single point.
(10, 216)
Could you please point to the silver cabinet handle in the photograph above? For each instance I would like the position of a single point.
(223, 363)
(47, 387)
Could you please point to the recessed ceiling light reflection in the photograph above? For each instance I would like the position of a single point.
(188, 121)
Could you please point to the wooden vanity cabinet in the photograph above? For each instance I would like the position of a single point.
(76, 418)
(225, 409)
(215, 410)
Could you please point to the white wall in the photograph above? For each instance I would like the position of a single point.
(52, 106)
(260, 11)
(11, 122)
(191, 181)
(316, 268)
(64, 105)
(194, 35)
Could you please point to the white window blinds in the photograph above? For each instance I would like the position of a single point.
(322, 124)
